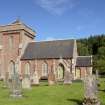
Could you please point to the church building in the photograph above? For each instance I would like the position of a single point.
(54, 61)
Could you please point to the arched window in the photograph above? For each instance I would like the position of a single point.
(11, 69)
(27, 69)
(44, 69)
(60, 72)
(11, 41)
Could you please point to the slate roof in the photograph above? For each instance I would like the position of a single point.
(49, 49)
(84, 61)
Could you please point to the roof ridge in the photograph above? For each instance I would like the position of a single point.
(53, 40)
(85, 56)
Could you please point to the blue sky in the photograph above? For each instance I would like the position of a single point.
(56, 19)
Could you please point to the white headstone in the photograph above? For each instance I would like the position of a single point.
(26, 84)
(35, 79)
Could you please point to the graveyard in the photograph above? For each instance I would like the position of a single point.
(37, 76)
(51, 95)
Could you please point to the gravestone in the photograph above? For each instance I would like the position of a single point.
(5, 81)
(26, 82)
(90, 86)
(97, 77)
(67, 77)
(97, 74)
(15, 86)
(35, 79)
(51, 77)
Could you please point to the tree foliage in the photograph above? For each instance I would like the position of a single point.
(82, 49)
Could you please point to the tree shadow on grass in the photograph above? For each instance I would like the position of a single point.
(101, 90)
(78, 102)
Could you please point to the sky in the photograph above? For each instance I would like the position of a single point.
(56, 19)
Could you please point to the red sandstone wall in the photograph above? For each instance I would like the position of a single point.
(37, 65)
(10, 54)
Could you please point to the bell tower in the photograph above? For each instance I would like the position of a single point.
(13, 38)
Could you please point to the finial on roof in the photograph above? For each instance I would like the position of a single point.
(17, 21)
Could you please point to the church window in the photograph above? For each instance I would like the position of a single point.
(44, 69)
(11, 41)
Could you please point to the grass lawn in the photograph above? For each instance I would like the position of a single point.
(51, 95)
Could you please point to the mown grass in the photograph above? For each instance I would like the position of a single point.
(102, 91)
(51, 95)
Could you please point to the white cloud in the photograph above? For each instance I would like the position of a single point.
(56, 6)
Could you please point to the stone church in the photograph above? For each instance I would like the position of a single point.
(54, 61)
